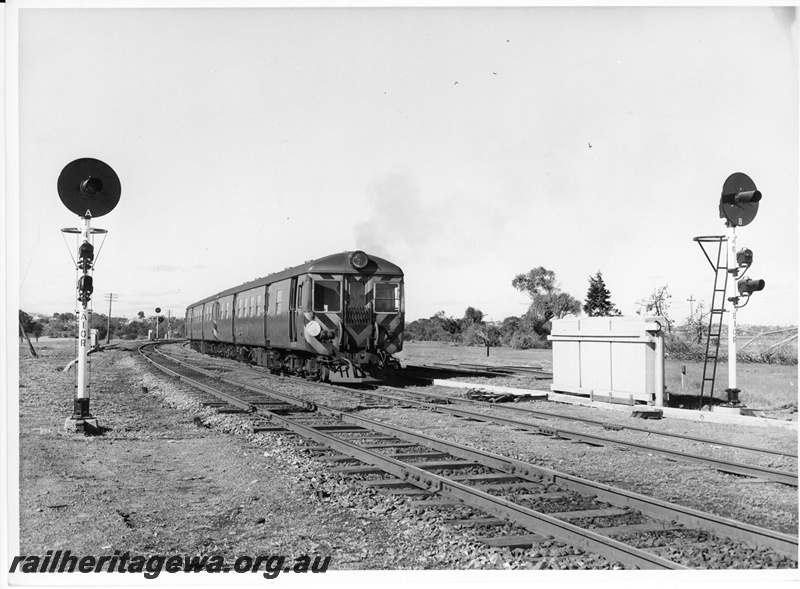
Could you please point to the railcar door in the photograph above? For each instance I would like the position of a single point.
(293, 312)
(389, 308)
(357, 315)
(277, 328)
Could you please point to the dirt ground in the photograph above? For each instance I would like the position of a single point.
(193, 482)
(160, 481)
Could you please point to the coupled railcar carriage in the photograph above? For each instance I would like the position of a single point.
(338, 318)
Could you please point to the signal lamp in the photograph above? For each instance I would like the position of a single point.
(747, 196)
(744, 258)
(91, 186)
(85, 256)
(748, 286)
(359, 260)
(161, 319)
(85, 288)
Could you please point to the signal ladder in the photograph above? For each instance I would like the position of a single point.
(717, 309)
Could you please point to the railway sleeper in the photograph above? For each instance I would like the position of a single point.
(510, 486)
(399, 455)
(268, 428)
(337, 458)
(387, 483)
(491, 477)
(474, 522)
(511, 542)
(409, 491)
(390, 445)
(435, 503)
(546, 496)
(590, 513)
(632, 529)
(350, 470)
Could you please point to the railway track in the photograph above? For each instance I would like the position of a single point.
(728, 466)
(617, 524)
(481, 369)
(454, 406)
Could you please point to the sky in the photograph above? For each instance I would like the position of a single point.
(465, 144)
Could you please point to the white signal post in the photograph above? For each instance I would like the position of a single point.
(82, 416)
(732, 391)
(88, 188)
(738, 205)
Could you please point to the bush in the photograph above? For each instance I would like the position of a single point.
(527, 341)
(680, 348)
(782, 355)
(677, 347)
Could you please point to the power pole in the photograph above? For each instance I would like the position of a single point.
(25, 335)
(691, 300)
(110, 297)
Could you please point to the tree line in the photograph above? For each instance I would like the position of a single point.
(530, 330)
(66, 325)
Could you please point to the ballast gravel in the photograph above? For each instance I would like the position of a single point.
(172, 476)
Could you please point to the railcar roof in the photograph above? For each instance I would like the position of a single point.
(333, 264)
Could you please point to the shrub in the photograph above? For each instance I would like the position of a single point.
(527, 341)
(678, 347)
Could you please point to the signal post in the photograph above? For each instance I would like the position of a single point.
(738, 205)
(89, 188)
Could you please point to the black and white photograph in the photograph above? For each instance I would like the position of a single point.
(362, 293)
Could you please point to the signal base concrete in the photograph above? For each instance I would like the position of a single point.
(714, 416)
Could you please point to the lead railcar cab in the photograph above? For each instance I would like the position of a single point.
(338, 318)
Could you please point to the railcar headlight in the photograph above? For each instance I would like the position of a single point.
(313, 328)
(359, 260)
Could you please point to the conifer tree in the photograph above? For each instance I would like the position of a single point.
(598, 298)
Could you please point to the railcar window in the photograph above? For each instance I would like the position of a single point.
(278, 301)
(387, 297)
(227, 309)
(327, 296)
(258, 305)
(250, 300)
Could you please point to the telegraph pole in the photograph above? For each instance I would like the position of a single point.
(691, 300)
(110, 297)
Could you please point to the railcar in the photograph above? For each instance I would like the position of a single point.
(338, 318)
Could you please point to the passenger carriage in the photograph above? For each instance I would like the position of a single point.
(337, 318)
